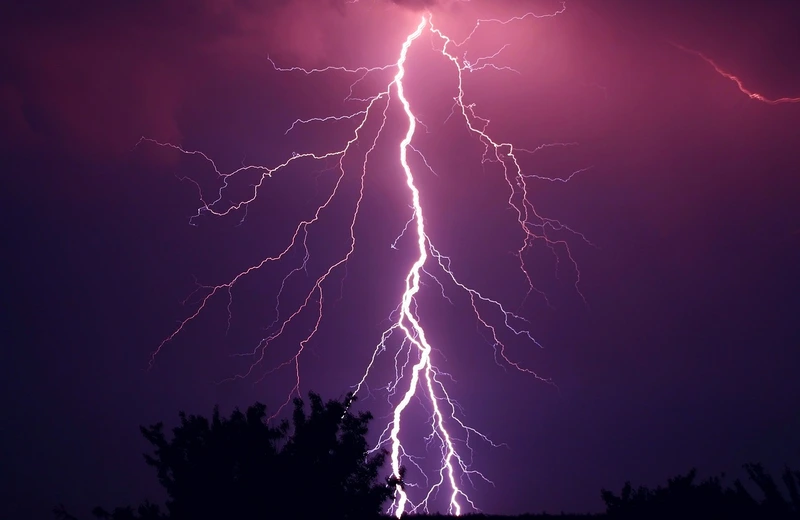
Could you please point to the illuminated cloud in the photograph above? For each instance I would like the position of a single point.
(415, 4)
(92, 80)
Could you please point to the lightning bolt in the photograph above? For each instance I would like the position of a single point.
(722, 72)
(417, 377)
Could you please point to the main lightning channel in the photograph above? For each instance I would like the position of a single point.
(414, 332)
(416, 377)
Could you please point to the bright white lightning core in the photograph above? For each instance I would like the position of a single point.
(416, 374)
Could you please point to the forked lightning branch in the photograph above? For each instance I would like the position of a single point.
(416, 374)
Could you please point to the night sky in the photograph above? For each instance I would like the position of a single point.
(683, 354)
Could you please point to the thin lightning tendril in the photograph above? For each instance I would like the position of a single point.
(752, 95)
(416, 377)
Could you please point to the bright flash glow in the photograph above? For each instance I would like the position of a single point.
(416, 375)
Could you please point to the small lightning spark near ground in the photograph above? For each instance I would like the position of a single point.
(417, 376)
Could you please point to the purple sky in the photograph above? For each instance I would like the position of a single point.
(684, 355)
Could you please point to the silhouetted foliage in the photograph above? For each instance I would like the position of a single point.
(146, 511)
(61, 513)
(682, 497)
(241, 467)
(318, 466)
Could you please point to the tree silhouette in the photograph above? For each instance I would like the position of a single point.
(146, 511)
(682, 497)
(241, 467)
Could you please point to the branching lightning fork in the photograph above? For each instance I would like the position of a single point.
(739, 84)
(416, 376)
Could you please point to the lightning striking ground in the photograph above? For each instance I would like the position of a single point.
(417, 376)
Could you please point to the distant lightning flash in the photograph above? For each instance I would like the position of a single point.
(416, 376)
(752, 95)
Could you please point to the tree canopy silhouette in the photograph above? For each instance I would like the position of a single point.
(318, 466)
(682, 497)
(242, 467)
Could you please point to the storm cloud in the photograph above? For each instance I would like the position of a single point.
(93, 79)
(415, 5)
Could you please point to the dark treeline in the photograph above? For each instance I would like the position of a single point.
(317, 466)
